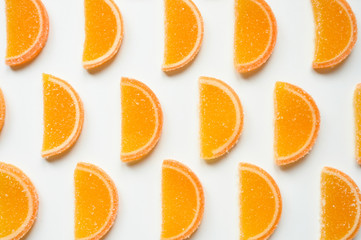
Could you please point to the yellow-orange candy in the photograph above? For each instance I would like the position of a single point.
(142, 120)
(260, 203)
(182, 201)
(183, 33)
(27, 30)
(255, 34)
(221, 117)
(357, 113)
(96, 202)
(297, 121)
(2, 110)
(336, 32)
(103, 32)
(340, 205)
(63, 116)
(18, 203)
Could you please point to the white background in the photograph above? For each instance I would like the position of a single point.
(140, 57)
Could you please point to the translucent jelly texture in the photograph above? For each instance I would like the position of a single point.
(182, 30)
(254, 31)
(18, 202)
(340, 205)
(14, 204)
(139, 118)
(221, 117)
(23, 26)
(63, 114)
(142, 119)
(334, 29)
(260, 203)
(101, 28)
(357, 114)
(95, 201)
(182, 200)
(2, 110)
(296, 121)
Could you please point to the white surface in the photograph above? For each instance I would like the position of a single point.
(140, 57)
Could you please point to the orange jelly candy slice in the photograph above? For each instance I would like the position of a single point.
(221, 117)
(260, 202)
(27, 30)
(142, 120)
(96, 202)
(182, 201)
(255, 34)
(103, 32)
(183, 33)
(18, 203)
(297, 122)
(63, 116)
(340, 205)
(357, 113)
(2, 110)
(336, 32)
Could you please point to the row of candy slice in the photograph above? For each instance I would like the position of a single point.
(296, 119)
(221, 119)
(28, 29)
(142, 118)
(96, 203)
(254, 35)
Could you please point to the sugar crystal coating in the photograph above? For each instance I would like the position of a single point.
(221, 117)
(21, 34)
(18, 202)
(340, 205)
(63, 116)
(96, 202)
(335, 31)
(297, 121)
(260, 203)
(183, 33)
(182, 201)
(255, 34)
(357, 115)
(103, 32)
(142, 120)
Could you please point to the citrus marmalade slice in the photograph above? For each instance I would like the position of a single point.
(335, 30)
(221, 117)
(142, 120)
(63, 116)
(255, 29)
(103, 32)
(96, 202)
(260, 202)
(27, 30)
(2, 109)
(297, 122)
(340, 205)
(183, 33)
(182, 201)
(357, 113)
(18, 203)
